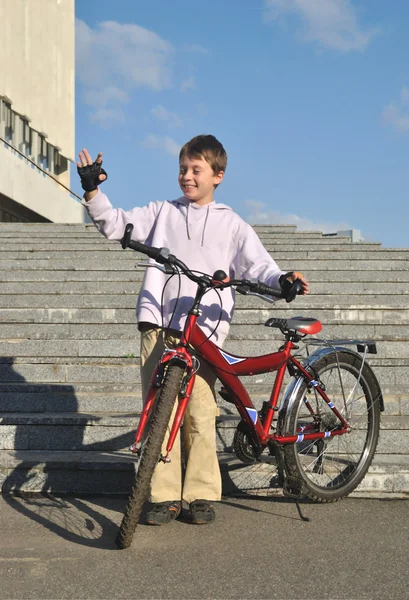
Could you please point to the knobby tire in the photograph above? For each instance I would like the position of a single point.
(150, 454)
(332, 468)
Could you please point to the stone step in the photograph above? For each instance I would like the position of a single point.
(328, 288)
(111, 262)
(101, 316)
(135, 274)
(118, 348)
(28, 228)
(103, 431)
(365, 267)
(258, 386)
(84, 231)
(100, 244)
(287, 229)
(113, 473)
(10, 333)
(119, 301)
(281, 256)
(67, 431)
(33, 230)
(87, 237)
(133, 360)
(22, 237)
(90, 236)
(85, 227)
(277, 247)
(312, 239)
(89, 398)
(69, 370)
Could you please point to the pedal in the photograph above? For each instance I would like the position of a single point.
(164, 459)
(135, 450)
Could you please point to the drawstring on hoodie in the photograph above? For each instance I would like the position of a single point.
(204, 225)
(187, 221)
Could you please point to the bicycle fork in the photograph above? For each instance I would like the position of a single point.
(183, 398)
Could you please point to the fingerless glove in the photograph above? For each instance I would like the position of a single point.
(284, 282)
(89, 176)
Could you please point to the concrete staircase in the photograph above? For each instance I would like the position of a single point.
(69, 352)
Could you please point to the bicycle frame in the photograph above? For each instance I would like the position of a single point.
(228, 369)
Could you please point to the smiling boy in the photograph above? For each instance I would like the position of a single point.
(207, 236)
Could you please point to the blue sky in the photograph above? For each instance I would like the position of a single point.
(310, 98)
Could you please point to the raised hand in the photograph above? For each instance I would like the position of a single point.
(91, 172)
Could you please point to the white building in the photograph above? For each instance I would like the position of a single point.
(37, 51)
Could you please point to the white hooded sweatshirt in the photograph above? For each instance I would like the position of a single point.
(206, 238)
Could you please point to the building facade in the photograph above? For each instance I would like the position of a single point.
(37, 69)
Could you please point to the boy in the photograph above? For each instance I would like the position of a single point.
(207, 237)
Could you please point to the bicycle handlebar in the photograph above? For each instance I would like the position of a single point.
(243, 286)
(157, 254)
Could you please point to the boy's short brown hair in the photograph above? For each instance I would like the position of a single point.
(207, 147)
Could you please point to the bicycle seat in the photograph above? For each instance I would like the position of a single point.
(299, 324)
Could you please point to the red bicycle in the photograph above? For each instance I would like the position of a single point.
(324, 432)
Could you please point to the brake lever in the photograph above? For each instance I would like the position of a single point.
(165, 268)
(265, 298)
(245, 291)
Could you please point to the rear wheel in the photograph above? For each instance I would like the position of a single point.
(331, 468)
(150, 454)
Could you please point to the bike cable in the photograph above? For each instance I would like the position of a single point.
(166, 330)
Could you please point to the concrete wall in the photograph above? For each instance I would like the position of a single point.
(27, 185)
(37, 65)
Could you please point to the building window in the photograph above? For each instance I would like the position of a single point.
(60, 163)
(63, 164)
(50, 158)
(27, 138)
(16, 130)
(9, 119)
(42, 152)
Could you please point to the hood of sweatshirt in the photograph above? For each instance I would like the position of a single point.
(187, 207)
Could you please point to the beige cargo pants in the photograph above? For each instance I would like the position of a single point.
(202, 476)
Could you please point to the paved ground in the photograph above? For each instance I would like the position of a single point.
(259, 548)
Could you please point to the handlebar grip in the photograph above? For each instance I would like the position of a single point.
(263, 288)
(150, 251)
(128, 242)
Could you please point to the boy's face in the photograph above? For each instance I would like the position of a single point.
(197, 180)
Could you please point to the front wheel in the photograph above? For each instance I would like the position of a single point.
(150, 454)
(331, 468)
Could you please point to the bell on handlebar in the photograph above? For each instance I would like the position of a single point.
(220, 276)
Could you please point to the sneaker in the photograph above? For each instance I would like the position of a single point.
(162, 513)
(201, 512)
